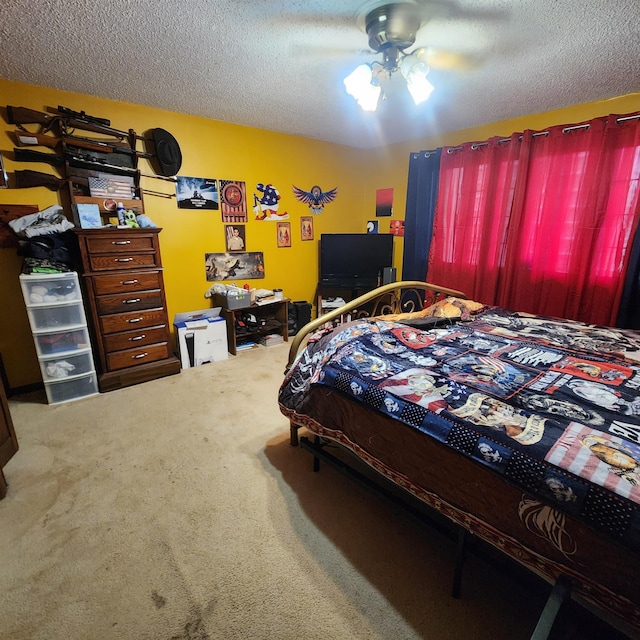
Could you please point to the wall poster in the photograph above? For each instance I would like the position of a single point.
(384, 202)
(229, 266)
(233, 199)
(306, 228)
(197, 193)
(284, 234)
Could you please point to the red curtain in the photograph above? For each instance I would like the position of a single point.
(541, 222)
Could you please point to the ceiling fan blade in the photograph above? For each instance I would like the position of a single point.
(448, 60)
(329, 51)
(430, 9)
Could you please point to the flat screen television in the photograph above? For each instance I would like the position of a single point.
(354, 260)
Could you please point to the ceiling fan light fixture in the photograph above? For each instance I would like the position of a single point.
(419, 88)
(415, 71)
(360, 84)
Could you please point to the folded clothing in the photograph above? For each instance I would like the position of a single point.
(49, 220)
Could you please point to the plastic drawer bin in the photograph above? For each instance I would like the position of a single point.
(50, 289)
(56, 316)
(62, 341)
(55, 369)
(72, 389)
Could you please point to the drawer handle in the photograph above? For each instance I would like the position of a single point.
(132, 301)
(129, 281)
(140, 355)
(134, 320)
(121, 242)
(136, 338)
(122, 259)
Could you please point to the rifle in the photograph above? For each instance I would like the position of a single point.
(26, 138)
(22, 115)
(81, 115)
(88, 160)
(27, 178)
(27, 155)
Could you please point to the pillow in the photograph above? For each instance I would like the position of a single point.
(453, 308)
(447, 308)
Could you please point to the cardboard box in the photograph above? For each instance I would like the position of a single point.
(201, 337)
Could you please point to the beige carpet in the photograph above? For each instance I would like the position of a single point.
(176, 509)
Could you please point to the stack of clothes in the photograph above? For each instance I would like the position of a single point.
(46, 242)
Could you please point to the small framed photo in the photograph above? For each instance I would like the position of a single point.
(235, 237)
(4, 182)
(306, 228)
(284, 234)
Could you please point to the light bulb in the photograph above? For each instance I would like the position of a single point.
(358, 84)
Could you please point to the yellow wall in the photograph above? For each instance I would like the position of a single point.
(213, 149)
(210, 149)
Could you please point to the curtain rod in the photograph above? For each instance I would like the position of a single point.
(477, 145)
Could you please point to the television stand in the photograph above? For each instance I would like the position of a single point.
(324, 291)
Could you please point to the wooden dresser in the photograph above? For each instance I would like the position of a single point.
(125, 293)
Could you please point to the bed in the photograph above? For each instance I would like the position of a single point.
(522, 430)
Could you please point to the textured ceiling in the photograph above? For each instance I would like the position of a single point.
(279, 65)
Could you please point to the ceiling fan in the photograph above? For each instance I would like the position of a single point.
(391, 28)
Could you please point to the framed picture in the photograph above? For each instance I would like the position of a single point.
(283, 229)
(235, 237)
(4, 182)
(306, 228)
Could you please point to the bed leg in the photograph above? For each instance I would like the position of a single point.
(316, 460)
(463, 536)
(559, 595)
(293, 434)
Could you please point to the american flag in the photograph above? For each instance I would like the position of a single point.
(107, 186)
(576, 451)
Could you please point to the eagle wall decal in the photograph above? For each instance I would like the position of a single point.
(316, 198)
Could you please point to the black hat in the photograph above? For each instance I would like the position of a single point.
(167, 153)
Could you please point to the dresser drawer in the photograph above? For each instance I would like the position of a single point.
(138, 338)
(129, 244)
(117, 282)
(134, 357)
(123, 261)
(134, 301)
(134, 320)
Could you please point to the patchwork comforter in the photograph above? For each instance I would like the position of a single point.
(550, 405)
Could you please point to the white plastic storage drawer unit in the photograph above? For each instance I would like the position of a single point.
(59, 327)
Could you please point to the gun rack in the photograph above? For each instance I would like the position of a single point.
(91, 162)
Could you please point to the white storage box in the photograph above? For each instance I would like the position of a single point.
(57, 368)
(56, 316)
(60, 334)
(201, 337)
(63, 341)
(50, 288)
(72, 388)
